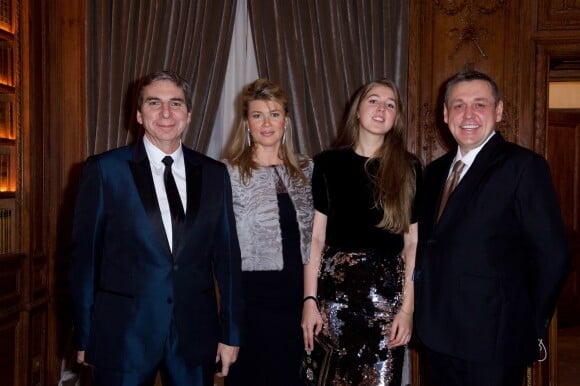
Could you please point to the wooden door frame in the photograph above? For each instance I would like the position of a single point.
(547, 48)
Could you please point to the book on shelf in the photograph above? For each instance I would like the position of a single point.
(6, 126)
(4, 172)
(6, 229)
(6, 63)
(6, 15)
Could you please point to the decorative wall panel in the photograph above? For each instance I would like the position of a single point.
(448, 37)
(559, 15)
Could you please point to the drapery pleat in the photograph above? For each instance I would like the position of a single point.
(322, 51)
(127, 39)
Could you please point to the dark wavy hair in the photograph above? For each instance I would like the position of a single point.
(467, 76)
(165, 75)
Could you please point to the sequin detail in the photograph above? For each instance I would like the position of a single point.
(360, 293)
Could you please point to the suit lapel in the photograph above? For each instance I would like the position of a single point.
(470, 183)
(193, 180)
(143, 178)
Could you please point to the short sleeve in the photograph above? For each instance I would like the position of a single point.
(319, 186)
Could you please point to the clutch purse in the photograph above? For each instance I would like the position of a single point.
(317, 366)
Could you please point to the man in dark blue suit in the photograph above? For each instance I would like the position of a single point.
(151, 237)
(492, 260)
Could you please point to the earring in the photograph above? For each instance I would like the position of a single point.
(248, 136)
(284, 134)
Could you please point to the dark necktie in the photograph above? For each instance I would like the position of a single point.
(175, 205)
(450, 185)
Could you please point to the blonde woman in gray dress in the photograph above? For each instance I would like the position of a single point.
(273, 208)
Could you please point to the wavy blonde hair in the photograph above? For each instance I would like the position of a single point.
(394, 180)
(240, 153)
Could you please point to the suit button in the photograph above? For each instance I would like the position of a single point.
(169, 300)
(176, 267)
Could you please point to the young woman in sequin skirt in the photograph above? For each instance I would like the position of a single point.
(363, 242)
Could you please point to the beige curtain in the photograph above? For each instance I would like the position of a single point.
(127, 39)
(321, 51)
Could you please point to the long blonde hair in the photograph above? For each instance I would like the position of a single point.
(394, 179)
(240, 150)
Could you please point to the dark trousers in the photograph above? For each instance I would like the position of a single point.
(172, 368)
(446, 370)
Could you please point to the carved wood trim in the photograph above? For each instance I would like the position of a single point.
(541, 105)
(466, 13)
(12, 283)
(11, 350)
(37, 353)
(446, 37)
(558, 14)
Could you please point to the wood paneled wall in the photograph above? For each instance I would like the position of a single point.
(493, 36)
(65, 140)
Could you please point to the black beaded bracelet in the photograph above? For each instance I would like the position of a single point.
(311, 297)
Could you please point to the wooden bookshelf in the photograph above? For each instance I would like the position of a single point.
(13, 267)
(9, 127)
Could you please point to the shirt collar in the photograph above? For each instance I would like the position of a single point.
(155, 154)
(468, 158)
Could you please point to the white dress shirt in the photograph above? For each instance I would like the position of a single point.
(155, 156)
(468, 158)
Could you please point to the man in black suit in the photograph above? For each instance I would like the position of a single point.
(153, 231)
(492, 260)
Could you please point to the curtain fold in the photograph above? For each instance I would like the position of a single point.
(241, 70)
(322, 51)
(127, 39)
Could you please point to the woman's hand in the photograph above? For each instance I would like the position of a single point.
(401, 329)
(311, 323)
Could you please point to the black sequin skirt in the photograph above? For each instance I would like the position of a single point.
(360, 293)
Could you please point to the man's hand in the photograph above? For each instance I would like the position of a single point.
(227, 355)
(81, 358)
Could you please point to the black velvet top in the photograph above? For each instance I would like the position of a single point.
(343, 191)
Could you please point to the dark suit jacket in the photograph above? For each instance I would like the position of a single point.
(126, 285)
(488, 275)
